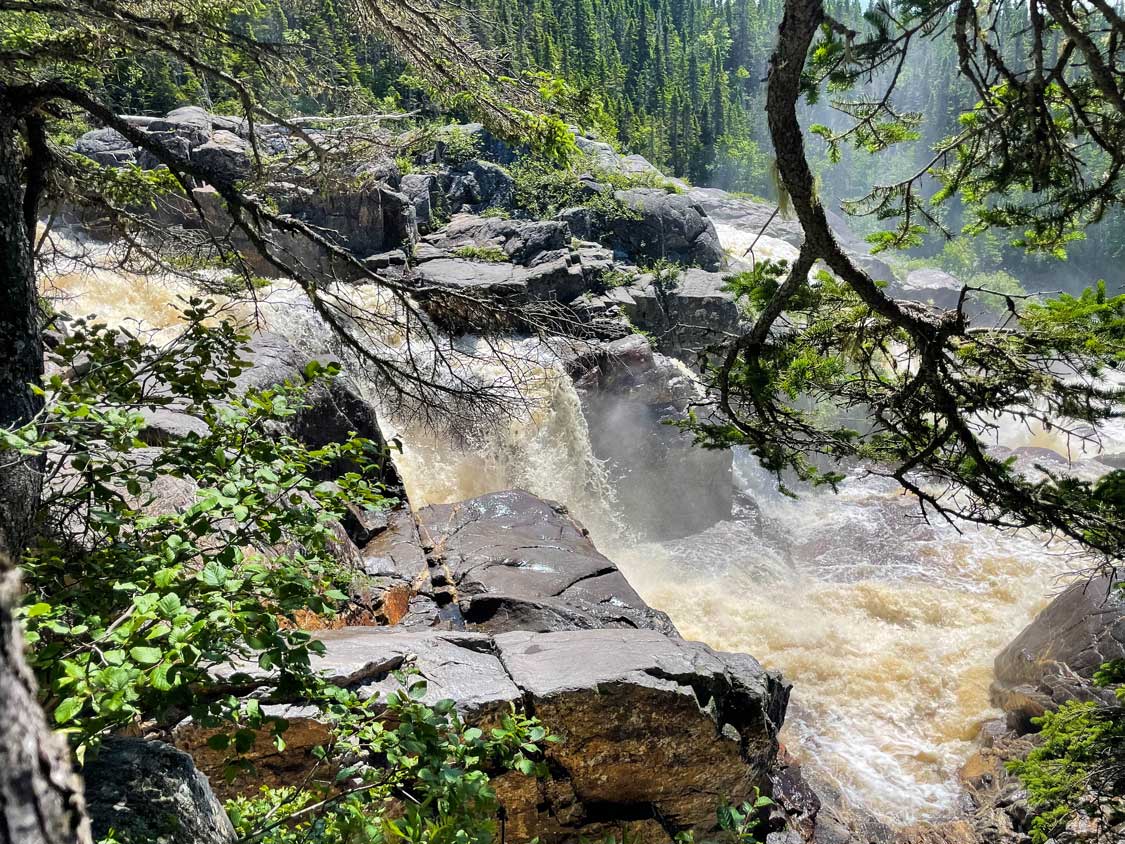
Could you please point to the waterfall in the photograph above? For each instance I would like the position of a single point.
(886, 625)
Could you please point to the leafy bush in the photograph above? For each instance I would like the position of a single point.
(1079, 769)
(137, 612)
(459, 147)
(418, 774)
(544, 188)
(487, 254)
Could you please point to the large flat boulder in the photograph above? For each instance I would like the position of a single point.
(512, 561)
(656, 731)
(1054, 659)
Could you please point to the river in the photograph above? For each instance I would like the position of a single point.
(886, 625)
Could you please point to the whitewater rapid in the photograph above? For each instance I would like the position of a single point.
(886, 626)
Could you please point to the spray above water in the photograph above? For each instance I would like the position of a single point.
(886, 626)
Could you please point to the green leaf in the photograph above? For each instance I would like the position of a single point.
(66, 710)
(146, 656)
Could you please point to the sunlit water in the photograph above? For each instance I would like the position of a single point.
(886, 626)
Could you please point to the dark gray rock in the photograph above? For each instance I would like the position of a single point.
(516, 562)
(165, 425)
(190, 122)
(425, 192)
(876, 267)
(458, 666)
(365, 220)
(685, 314)
(599, 152)
(521, 240)
(149, 792)
(1054, 659)
(225, 157)
(178, 146)
(102, 141)
(489, 285)
(332, 411)
(669, 226)
(477, 185)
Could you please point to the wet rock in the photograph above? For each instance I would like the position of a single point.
(149, 792)
(1054, 659)
(747, 215)
(511, 561)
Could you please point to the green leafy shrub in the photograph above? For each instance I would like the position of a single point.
(1079, 769)
(459, 147)
(545, 187)
(417, 773)
(486, 254)
(140, 612)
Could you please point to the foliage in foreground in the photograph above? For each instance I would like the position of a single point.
(928, 410)
(1079, 769)
(421, 775)
(138, 611)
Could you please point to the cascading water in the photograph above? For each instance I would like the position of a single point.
(886, 626)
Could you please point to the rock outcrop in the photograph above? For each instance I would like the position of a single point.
(685, 311)
(362, 210)
(475, 264)
(150, 792)
(656, 731)
(1054, 659)
(669, 226)
(506, 561)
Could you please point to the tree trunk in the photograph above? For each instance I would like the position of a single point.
(40, 796)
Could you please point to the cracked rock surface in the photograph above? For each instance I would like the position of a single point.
(655, 731)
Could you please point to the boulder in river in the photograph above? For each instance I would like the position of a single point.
(1054, 659)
